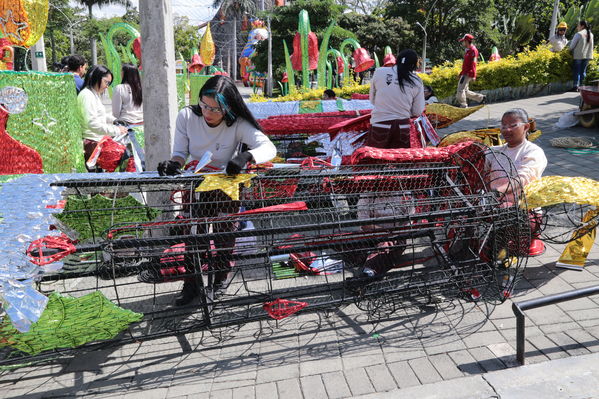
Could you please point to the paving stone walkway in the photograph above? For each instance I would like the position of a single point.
(343, 354)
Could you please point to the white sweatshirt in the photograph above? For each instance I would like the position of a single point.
(98, 122)
(193, 137)
(528, 158)
(123, 107)
(389, 101)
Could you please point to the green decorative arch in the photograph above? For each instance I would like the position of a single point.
(323, 55)
(351, 43)
(113, 58)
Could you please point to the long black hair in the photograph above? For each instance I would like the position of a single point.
(94, 75)
(586, 25)
(131, 77)
(407, 61)
(224, 92)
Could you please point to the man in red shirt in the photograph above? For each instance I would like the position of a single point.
(468, 73)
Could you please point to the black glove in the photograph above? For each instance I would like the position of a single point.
(236, 164)
(169, 168)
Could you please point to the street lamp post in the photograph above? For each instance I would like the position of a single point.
(425, 35)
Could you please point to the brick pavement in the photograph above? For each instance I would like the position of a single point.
(343, 354)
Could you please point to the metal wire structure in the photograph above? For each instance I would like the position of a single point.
(566, 222)
(296, 240)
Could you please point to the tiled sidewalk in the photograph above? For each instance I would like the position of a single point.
(343, 354)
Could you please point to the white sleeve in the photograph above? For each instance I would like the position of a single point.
(117, 101)
(532, 166)
(95, 119)
(181, 141)
(261, 148)
(418, 104)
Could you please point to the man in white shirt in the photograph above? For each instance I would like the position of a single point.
(559, 41)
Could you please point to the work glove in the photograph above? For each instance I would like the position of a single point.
(236, 164)
(169, 168)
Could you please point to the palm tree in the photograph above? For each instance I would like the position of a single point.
(237, 8)
(100, 3)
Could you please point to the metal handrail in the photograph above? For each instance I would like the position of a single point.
(520, 307)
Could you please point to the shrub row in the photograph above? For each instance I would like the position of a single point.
(538, 66)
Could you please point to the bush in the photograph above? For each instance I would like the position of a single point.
(539, 66)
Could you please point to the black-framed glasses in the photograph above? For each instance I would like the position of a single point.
(108, 82)
(206, 107)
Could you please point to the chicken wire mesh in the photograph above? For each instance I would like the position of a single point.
(282, 241)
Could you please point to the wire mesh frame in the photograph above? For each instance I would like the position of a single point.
(430, 230)
(566, 222)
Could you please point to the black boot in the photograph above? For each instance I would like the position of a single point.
(188, 293)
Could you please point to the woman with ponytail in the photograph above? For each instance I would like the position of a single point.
(581, 48)
(397, 94)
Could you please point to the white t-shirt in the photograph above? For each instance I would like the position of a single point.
(98, 122)
(528, 158)
(193, 137)
(123, 107)
(389, 101)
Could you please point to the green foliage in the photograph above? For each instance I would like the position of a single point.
(539, 66)
(446, 22)
(186, 37)
(375, 32)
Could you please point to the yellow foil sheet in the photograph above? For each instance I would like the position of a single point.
(227, 184)
(207, 47)
(448, 113)
(37, 11)
(551, 190)
(577, 251)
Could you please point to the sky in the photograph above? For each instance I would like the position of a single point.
(198, 11)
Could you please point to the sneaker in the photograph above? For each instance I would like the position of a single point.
(367, 272)
(463, 106)
(150, 276)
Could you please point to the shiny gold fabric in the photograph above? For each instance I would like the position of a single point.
(551, 190)
(37, 11)
(227, 184)
(577, 251)
(442, 115)
(207, 47)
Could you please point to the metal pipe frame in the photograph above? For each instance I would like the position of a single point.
(519, 307)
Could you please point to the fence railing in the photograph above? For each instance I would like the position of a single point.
(520, 307)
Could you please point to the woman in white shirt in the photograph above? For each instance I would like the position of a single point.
(528, 159)
(126, 97)
(98, 122)
(397, 94)
(222, 124)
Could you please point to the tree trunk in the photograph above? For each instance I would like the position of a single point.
(92, 40)
(554, 18)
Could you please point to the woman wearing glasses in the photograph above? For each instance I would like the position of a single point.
(528, 162)
(528, 158)
(222, 124)
(98, 122)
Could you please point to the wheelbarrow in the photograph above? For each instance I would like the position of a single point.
(589, 105)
